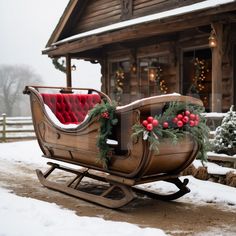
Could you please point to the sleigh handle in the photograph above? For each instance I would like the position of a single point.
(67, 90)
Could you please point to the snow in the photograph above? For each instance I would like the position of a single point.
(48, 219)
(34, 217)
(56, 121)
(201, 191)
(213, 168)
(27, 152)
(157, 16)
(70, 126)
(214, 115)
(221, 155)
(147, 99)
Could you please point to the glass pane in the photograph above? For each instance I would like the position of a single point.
(120, 81)
(153, 74)
(196, 79)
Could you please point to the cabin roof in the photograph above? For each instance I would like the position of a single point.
(158, 16)
(55, 40)
(62, 22)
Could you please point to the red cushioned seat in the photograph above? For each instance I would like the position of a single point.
(70, 108)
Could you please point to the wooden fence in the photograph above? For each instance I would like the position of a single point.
(16, 128)
(12, 128)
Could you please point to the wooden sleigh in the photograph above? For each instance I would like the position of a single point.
(132, 162)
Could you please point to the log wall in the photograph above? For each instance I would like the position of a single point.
(173, 49)
(105, 12)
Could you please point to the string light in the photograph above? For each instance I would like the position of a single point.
(200, 73)
(119, 76)
(154, 75)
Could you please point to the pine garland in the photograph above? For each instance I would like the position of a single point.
(107, 118)
(176, 120)
(59, 66)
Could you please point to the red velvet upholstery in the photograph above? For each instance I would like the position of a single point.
(71, 108)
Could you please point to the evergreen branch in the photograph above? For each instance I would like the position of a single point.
(105, 113)
(174, 131)
(59, 66)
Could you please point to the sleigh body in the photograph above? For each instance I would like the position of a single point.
(132, 161)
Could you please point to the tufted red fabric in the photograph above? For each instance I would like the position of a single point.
(70, 108)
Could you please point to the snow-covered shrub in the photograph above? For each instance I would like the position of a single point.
(225, 137)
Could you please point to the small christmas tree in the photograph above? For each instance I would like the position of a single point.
(225, 138)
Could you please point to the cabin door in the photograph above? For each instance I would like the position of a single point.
(196, 75)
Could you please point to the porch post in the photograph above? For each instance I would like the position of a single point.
(68, 71)
(216, 104)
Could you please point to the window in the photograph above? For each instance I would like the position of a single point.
(120, 81)
(149, 76)
(196, 76)
(153, 75)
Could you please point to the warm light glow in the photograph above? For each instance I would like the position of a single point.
(152, 73)
(134, 67)
(73, 68)
(212, 40)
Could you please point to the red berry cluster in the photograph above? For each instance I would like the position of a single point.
(150, 123)
(105, 115)
(186, 117)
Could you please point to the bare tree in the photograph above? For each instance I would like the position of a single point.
(12, 82)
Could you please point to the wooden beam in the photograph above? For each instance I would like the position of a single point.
(68, 71)
(132, 33)
(217, 69)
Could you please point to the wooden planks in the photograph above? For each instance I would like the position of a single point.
(103, 12)
(217, 69)
(99, 13)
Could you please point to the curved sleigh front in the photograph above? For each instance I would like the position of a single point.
(66, 133)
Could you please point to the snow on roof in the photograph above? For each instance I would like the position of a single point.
(144, 19)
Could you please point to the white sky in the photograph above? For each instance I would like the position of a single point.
(25, 27)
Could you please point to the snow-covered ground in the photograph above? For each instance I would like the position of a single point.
(47, 218)
(21, 216)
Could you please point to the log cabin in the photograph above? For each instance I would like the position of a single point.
(152, 47)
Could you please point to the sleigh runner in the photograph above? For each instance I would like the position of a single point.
(73, 139)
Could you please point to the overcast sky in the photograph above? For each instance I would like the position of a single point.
(25, 27)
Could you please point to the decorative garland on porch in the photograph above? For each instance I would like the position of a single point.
(59, 66)
(177, 120)
(106, 116)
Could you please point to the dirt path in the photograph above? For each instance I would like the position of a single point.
(175, 218)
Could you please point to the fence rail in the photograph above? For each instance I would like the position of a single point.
(12, 128)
